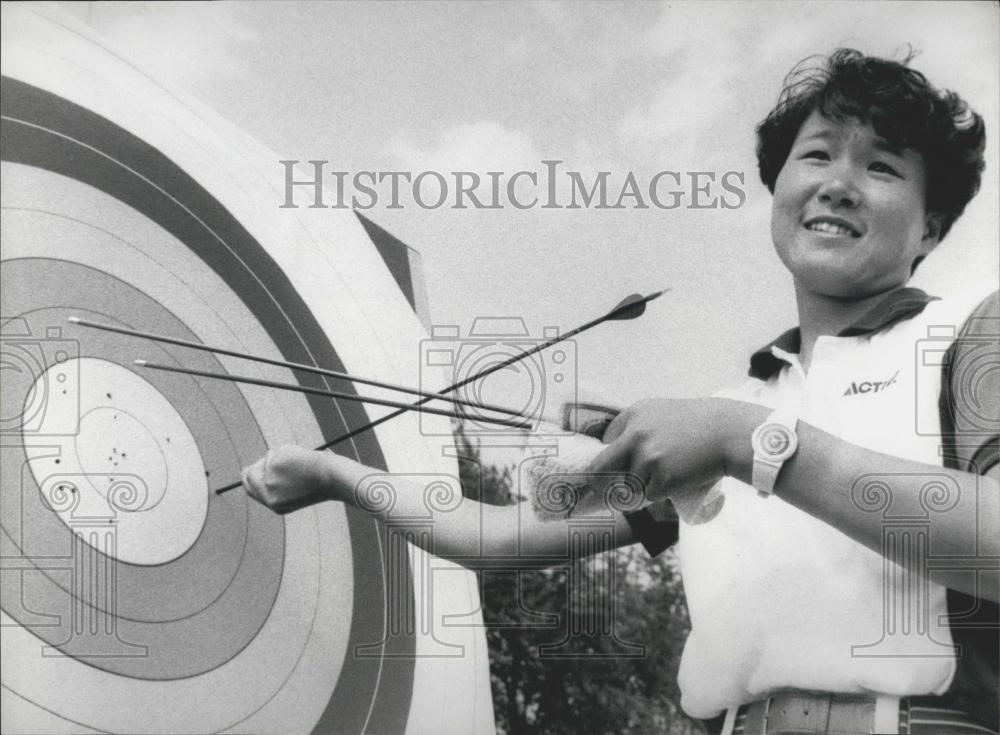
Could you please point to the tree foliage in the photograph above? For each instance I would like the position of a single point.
(590, 646)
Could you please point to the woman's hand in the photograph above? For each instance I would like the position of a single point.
(289, 478)
(672, 446)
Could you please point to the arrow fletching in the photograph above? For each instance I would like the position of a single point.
(633, 306)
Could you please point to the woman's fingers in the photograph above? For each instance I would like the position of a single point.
(616, 457)
(253, 479)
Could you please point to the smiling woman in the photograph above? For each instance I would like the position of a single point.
(816, 603)
(128, 203)
(869, 167)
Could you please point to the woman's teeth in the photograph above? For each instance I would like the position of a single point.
(832, 229)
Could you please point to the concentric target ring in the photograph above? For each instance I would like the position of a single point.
(103, 225)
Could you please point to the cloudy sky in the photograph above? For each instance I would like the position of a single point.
(616, 87)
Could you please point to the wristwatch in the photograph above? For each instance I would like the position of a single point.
(773, 442)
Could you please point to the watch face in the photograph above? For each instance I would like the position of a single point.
(776, 442)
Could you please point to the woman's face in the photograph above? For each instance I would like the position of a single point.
(848, 217)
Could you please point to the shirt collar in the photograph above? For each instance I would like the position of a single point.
(903, 303)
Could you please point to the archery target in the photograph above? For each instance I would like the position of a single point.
(134, 598)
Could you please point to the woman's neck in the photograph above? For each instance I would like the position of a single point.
(821, 315)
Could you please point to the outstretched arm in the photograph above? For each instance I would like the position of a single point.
(473, 534)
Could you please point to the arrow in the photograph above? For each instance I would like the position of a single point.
(630, 307)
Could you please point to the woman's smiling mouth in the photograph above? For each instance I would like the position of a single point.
(832, 226)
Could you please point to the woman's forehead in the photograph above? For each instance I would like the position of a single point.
(819, 127)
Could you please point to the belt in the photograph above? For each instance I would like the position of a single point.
(823, 713)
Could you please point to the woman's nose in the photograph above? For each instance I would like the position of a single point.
(839, 190)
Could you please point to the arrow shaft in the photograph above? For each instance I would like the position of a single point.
(323, 392)
(290, 365)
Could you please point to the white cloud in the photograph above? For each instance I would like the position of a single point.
(518, 49)
(189, 44)
(480, 146)
(698, 48)
(554, 13)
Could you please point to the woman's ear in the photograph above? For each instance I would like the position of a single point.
(932, 236)
(932, 232)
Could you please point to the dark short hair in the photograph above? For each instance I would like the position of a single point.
(902, 107)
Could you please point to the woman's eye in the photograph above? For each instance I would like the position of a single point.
(883, 168)
(818, 154)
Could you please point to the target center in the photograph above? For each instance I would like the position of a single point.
(132, 467)
(113, 442)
